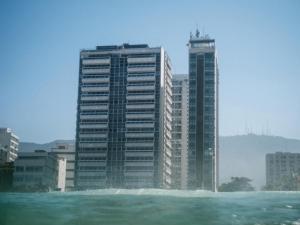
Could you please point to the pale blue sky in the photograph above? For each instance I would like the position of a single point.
(258, 46)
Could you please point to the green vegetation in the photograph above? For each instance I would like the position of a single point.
(237, 184)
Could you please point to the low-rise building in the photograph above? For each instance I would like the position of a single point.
(39, 171)
(10, 145)
(67, 151)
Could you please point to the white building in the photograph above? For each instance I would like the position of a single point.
(39, 170)
(180, 131)
(10, 144)
(67, 151)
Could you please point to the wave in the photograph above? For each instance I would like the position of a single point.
(174, 193)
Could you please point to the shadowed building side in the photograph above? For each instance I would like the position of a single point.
(180, 131)
(203, 114)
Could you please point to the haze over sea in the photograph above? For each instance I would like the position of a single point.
(150, 206)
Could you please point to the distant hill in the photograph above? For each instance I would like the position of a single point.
(244, 155)
(241, 155)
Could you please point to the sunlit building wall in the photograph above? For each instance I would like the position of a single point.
(10, 145)
(67, 151)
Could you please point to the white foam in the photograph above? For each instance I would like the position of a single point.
(158, 192)
(175, 193)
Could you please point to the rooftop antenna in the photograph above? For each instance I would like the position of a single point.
(268, 129)
(197, 33)
(246, 128)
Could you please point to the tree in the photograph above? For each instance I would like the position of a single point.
(237, 184)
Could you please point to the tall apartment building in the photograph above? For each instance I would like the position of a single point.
(67, 151)
(10, 144)
(203, 113)
(39, 170)
(280, 165)
(180, 131)
(123, 135)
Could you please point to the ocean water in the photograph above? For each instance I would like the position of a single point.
(150, 206)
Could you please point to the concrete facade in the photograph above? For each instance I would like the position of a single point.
(39, 170)
(123, 135)
(180, 131)
(67, 151)
(280, 165)
(10, 145)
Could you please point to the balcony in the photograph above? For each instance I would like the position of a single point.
(141, 60)
(139, 144)
(93, 135)
(94, 117)
(139, 174)
(140, 106)
(141, 78)
(95, 80)
(140, 97)
(95, 71)
(95, 89)
(94, 98)
(139, 154)
(140, 125)
(139, 116)
(93, 107)
(92, 145)
(141, 163)
(139, 135)
(140, 88)
(88, 154)
(141, 69)
(93, 126)
(96, 61)
(91, 163)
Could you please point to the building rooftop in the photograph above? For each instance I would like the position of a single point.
(201, 41)
(123, 46)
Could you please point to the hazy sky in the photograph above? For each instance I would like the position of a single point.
(258, 47)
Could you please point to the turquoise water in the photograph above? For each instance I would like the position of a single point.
(150, 206)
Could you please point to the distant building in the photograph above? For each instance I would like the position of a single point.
(180, 131)
(10, 145)
(281, 165)
(123, 136)
(39, 170)
(67, 151)
(203, 113)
